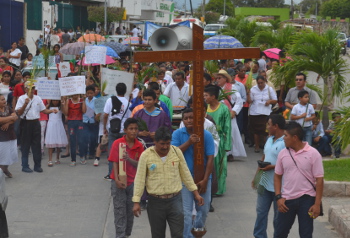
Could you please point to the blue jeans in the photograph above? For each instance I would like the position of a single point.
(202, 212)
(299, 206)
(323, 146)
(90, 135)
(75, 129)
(263, 204)
(111, 138)
(337, 147)
(308, 134)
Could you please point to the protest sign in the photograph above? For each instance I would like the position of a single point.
(99, 104)
(64, 68)
(113, 77)
(95, 54)
(48, 89)
(72, 85)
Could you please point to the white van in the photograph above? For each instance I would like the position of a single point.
(212, 29)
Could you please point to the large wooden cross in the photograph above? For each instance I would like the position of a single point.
(197, 55)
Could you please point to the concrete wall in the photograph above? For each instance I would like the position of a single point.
(280, 13)
(31, 37)
(133, 7)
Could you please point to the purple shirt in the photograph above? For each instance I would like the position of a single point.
(295, 184)
(153, 123)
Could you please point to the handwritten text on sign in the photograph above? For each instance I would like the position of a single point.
(95, 55)
(48, 89)
(113, 77)
(99, 104)
(72, 85)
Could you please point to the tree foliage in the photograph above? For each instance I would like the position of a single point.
(336, 8)
(322, 55)
(309, 6)
(218, 6)
(97, 14)
(210, 17)
(258, 3)
(242, 29)
(282, 38)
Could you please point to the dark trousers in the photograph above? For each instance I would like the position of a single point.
(245, 123)
(300, 207)
(123, 215)
(31, 139)
(168, 210)
(90, 136)
(75, 129)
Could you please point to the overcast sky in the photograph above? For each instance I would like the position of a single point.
(196, 3)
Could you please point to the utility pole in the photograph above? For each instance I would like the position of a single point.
(106, 31)
(224, 7)
(191, 8)
(292, 9)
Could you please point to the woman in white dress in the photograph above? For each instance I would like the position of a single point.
(14, 55)
(55, 133)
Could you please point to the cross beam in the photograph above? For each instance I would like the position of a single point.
(197, 55)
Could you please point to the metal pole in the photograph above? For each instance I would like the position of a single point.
(106, 17)
(191, 8)
(203, 9)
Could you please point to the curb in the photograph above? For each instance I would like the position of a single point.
(339, 217)
(336, 189)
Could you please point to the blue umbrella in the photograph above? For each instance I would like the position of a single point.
(110, 51)
(222, 41)
(117, 47)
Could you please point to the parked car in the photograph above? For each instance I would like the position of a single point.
(343, 41)
(3, 205)
(212, 29)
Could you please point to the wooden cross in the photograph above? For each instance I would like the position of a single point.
(197, 55)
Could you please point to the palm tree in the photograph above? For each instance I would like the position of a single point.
(242, 29)
(281, 38)
(322, 55)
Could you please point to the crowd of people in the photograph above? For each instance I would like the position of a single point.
(158, 157)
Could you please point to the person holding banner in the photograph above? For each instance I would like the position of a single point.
(74, 108)
(28, 108)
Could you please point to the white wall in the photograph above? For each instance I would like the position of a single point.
(31, 37)
(133, 7)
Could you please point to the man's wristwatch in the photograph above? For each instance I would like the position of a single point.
(278, 196)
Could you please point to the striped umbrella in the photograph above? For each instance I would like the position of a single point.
(222, 41)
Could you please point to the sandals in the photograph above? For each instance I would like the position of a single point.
(257, 151)
(57, 162)
(8, 174)
(50, 164)
(65, 156)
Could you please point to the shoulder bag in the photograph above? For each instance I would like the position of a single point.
(321, 206)
(115, 123)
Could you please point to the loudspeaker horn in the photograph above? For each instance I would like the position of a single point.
(164, 39)
(184, 36)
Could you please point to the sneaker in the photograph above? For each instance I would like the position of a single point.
(107, 178)
(83, 160)
(72, 164)
(96, 162)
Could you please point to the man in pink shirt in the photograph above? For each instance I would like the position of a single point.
(301, 168)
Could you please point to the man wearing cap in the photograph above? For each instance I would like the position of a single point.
(234, 103)
(28, 107)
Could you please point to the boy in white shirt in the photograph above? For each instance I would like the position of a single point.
(303, 113)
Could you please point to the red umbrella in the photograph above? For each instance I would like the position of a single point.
(272, 53)
(109, 60)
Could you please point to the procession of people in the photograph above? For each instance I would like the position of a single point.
(148, 138)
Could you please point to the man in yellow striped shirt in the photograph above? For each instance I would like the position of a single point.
(162, 169)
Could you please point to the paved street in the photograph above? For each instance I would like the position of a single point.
(75, 203)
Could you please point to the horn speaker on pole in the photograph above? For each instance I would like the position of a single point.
(165, 38)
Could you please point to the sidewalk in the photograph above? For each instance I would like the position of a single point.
(75, 203)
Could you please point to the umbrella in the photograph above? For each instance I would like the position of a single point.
(73, 48)
(134, 40)
(109, 60)
(272, 53)
(91, 38)
(222, 41)
(110, 51)
(117, 47)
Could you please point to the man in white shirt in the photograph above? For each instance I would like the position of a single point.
(135, 32)
(28, 107)
(115, 108)
(178, 92)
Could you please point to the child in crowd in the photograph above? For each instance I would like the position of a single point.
(303, 113)
(55, 133)
(318, 138)
(152, 116)
(122, 193)
(329, 135)
(28, 62)
(74, 108)
(102, 139)
(90, 131)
